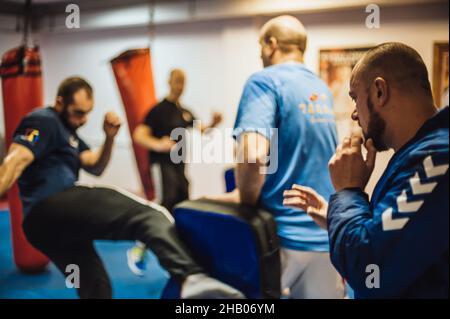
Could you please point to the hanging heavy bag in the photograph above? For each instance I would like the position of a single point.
(134, 77)
(20, 71)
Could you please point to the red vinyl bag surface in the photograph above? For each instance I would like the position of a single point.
(134, 76)
(22, 91)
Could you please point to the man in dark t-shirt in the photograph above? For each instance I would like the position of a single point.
(172, 186)
(42, 132)
(63, 217)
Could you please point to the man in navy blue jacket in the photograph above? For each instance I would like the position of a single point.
(396, 244)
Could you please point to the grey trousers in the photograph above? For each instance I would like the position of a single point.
(309, 275)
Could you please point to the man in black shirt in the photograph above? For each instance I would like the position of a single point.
(154, 135)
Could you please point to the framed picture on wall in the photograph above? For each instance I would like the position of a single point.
(335, 68)
(440, 73)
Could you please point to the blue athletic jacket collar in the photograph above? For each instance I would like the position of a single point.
(440, 120)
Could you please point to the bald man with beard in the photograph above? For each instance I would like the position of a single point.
(287, 109)
(394, 245)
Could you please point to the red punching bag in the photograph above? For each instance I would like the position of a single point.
(22, 90)
(134, 76)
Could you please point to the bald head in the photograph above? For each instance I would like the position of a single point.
(282, 39)
(176, 84)
(398, 64)
(287, 30)
(176, 73)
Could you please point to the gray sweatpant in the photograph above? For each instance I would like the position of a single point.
(309, 275)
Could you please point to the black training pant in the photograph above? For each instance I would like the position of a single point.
(64, 226)
(175, 185)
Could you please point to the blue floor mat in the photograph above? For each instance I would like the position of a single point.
(51, 283)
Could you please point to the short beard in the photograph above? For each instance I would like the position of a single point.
(376, 128)
(64, 116)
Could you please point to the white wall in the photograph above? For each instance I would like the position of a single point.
(208, 52)
(218, 57)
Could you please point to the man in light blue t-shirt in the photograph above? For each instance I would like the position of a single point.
(287, 111)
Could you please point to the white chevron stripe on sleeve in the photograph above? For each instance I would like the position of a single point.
(420, 188)
(407, 207)
(431, 170)
(392, 224)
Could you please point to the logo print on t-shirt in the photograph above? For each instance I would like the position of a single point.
(313, 97)
(31, 135)
(73, 141)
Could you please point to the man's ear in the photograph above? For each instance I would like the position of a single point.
(382, 91)
(273, 43)
(59, 103)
